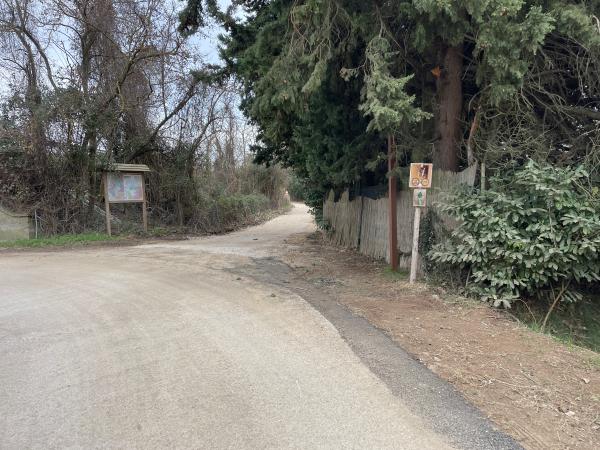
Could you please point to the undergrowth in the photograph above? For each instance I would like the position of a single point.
(573, 324)
(62, 240)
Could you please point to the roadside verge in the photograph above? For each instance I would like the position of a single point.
(540, 391)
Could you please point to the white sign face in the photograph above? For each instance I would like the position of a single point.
(125, 187)
(420, 198)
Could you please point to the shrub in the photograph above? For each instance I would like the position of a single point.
(239, 208)
(270, 181)
(534, 234)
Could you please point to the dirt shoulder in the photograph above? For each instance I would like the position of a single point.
(540, 391)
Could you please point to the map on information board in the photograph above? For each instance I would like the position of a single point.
(123, 187)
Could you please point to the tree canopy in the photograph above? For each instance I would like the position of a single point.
(87, 83)
(455, 81)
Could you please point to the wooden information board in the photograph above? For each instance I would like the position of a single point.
(124, 183)
(125, 187)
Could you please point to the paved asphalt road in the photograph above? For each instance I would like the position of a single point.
(168, 345)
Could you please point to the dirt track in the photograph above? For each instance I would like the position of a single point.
(183, 344)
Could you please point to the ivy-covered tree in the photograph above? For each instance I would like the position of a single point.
(455, 81)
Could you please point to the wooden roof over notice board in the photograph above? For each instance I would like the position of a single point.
(128, 168)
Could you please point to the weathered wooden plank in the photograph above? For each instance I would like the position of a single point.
(363, 222)
(344, 218)
(119, 167)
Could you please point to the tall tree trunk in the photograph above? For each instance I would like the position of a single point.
(90, 139)
(33, 98)
(450, 102)
(92, 177)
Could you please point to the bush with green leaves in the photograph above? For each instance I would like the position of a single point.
(535, 234)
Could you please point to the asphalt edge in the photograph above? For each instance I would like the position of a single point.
(439, 404)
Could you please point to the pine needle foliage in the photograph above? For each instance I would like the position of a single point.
(326, 81)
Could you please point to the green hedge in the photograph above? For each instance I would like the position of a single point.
(534, 235)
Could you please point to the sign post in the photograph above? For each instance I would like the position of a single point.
(419, 180)
(414, 258)
(125, 183)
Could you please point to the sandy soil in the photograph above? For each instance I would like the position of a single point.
(540, 391)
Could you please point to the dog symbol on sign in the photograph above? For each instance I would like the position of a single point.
(420, 198)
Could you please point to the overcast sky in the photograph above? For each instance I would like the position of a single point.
(208, 45)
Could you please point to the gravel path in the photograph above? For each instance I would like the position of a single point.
(166, 345)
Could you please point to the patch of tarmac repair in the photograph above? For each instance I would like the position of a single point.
(434, 400)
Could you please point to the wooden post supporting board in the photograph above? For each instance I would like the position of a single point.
(414, 260)
(106, 203)
(392, 214)
(145, 212)
(125, 183)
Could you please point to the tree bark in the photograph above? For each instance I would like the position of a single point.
(450, 102)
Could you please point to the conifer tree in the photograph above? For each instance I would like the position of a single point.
(455, 81)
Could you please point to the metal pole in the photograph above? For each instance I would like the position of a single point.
(414, 260)
(393, 225)
(483, 176)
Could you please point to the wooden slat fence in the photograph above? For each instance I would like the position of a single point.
(362, 223)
